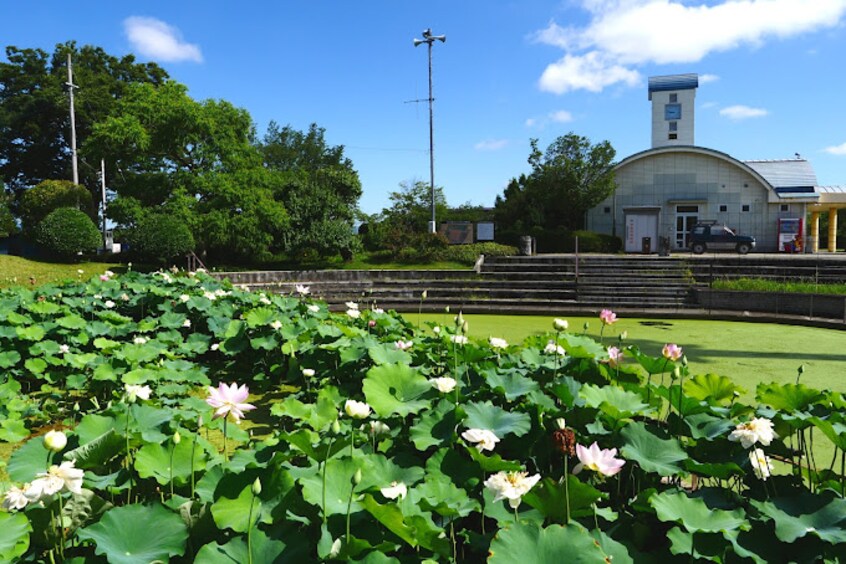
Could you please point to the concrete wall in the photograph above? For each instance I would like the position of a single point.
(811, 305)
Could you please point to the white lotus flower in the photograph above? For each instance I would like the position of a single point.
(351, 305)
(63, 477)
(308, 372)
(403, 345)
(758, 430)
(186, 323)
(444, 384)
(511, 486)
(560, 324)
(15, 498)
(379, 428)
(395, 490)
(378, 310)
(264, 300)
(139, 340)
(55, 440)
(109, 304)
(184, 298)
(354, 313)
(498, 343)
(210, 296)
(64, 349)
(215, 346)
(357, 409)
(277, 325)
(552, 348)
(124, 297)
(303, 290)
(459, 339)
(760, 463)
(482, 439)
(313, 308)
(136, 391)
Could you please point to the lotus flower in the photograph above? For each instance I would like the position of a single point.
(598, 460)
(760, 463)
(55, 441)
(135, 391)
(553, 348)
(229, 400)
(758, 430)
(444, 384)
(403, 345)
(15, 498)
(395, 490)
(459, 339)
(483, 439)
(378, 428)
(560, 324)
(357, 409)
(607, 317)
(511, 486)
(498, 343)
(671, 351)
(66, 476)
(615, 356)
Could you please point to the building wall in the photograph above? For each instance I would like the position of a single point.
(672, 178)
(684, 125)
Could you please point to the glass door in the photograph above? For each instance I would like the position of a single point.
(686, 218)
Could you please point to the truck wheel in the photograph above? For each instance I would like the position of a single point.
(698, 248)
(743, 248)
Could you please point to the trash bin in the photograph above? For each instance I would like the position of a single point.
(525, 248)
(646, 245)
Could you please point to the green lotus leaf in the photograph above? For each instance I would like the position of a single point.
(379, 471)
(93, 425)
(511, 384)
(308, 442)
(16, 318)
(439, 494)
(394, 389)
(137, 354)
(172, 320)
(317, 416)
(105, 344)
(31, 333)
(339, 474)
(695, 515)
(651, 450)
(493, 462)
(97, 452)
(550, 498)
(153, 460)
(822, 515)
(499, 421)
(9, 359)
(234, 513)
(613, 400)
(14, 536)
(83, 508)
(387, 353)
(28, 460)
(834, 430)
(135, 534)
(528, 543)
(788, 397)
(413, 529)
(652, 364)
(148, 420)
(235, 551)
(435, 427)
(711, 388)
(261, 316)
(567, 389)
(701, 546)
(71, 321)
(140, 376)
(705, 426)
(42, 307)
(616, 552)
(580, 346)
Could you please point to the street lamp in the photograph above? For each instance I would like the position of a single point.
(428, 39)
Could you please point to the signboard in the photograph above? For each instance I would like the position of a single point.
(485, 231)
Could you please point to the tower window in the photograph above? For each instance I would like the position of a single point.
(673, 136)
(674, 98)
(607, 209)
(785, 207)
(744, 207)
(724, 208)
(674, 126)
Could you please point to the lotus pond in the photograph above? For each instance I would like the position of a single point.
(174, 418)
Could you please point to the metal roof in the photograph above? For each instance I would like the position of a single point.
(839, 189)
(673, 82)
(786, 173)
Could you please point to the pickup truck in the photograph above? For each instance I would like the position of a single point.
(711, 236)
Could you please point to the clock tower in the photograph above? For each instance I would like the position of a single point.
(672, 100)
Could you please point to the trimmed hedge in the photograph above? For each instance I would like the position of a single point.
(564, 241)
(467, 254)
(68, 232)
(160, 238)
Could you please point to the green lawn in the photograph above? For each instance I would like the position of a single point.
(749, 353)
(17, 271)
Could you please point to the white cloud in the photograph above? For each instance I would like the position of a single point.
(491, 145)
(561, 116)
(157, 40)
(624, 34)
(706, 78)
(839, 150)
(739, 112)
(531, 122)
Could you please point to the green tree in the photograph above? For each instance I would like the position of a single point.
(411, 207)
(566, 180)
(37, 202)
(159, 238)
(68, 232)
(34, 111)
(8, 225)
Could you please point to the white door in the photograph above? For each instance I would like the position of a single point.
(638, 227)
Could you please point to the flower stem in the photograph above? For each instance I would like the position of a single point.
(567, 488)
(171, 468)
(325, 462)
(352, 483)
(250, 531)
(128, 457)
(193, 447)
(225, 420)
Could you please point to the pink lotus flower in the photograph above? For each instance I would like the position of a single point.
(598, 460)
(672, 352)
(229, 400)
(615, 356)
(607, 317)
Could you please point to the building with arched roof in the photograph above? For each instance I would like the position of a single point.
(665, 190)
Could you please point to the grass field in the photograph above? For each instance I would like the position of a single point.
(17, 271)
(749, 353)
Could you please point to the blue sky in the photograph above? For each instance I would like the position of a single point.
(772, 79)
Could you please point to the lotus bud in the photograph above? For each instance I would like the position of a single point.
(177, 438)
(459, 319)
(200, 421)
(465, 327)
(55, 441)
(336, 426)
(256, 487)
(357, 477)
(76, 406)
(623, 336)
(424, 295)
(560, 324)
(676, 373)
(684, 360)
(561, 423)
(586, 326)
(446, 309)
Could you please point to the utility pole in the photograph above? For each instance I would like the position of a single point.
(71, 86)
(428, 39)
(103, 193)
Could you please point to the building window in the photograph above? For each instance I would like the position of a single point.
(745, 207)
(607, 209)
(724, 208)
(785, 207)
(673, 136)
(674, 98)
(674, 126)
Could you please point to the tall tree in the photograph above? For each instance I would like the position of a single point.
(34, 110)
(566, 180)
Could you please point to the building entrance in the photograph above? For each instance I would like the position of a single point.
(686, 218)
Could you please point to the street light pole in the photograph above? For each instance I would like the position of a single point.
(428, 39)
(71, 86)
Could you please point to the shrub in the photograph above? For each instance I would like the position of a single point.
(159, 238)
(563, 241)
(68, 232)
(39, 201)
(467, 254)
